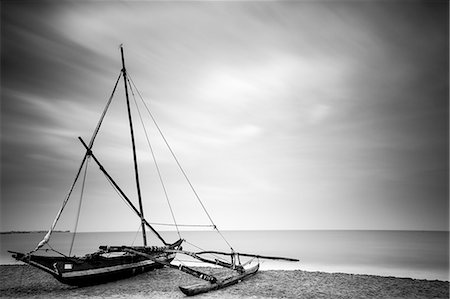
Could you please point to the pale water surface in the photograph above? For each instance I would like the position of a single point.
(415, 254)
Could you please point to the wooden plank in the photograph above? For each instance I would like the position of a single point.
(219, 284)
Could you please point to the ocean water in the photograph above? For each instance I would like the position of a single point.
(414, 254)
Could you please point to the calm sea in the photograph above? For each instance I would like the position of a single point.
(422, 255)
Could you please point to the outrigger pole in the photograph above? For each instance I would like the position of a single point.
(138, 187)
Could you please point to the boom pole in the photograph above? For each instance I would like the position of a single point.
(136, 172)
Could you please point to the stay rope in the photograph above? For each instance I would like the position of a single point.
(118, 193)
(155, 161)
(178, 163)
(66, 199)
(79, 205)
(201, 249)
(181, 225)
(104, 112)
(137, 232)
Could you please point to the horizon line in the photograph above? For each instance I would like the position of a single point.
(225, 230)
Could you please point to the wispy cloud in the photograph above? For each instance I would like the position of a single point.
(310, 103)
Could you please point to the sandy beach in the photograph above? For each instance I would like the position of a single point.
(21, 281)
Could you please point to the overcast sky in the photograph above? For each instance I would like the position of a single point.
(285, 115)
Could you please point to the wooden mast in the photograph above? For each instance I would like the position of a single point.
(138, 187)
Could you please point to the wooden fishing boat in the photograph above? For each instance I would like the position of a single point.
(110, 263)
(98, 267)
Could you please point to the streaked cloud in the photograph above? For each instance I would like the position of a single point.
(318, 113)
(313, 109)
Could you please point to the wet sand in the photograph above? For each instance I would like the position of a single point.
(22, 281)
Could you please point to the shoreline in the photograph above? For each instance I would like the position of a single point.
(23, 281)
(303, 268)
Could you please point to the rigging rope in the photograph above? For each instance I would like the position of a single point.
(178, 163)
(79, 206)
(137, 232)
(201, 249)
(179, 225)
(128, 204)
(155, 161)
(66, 199)
(104, 112)
(118, 193)
(54, 250)
(153, 223)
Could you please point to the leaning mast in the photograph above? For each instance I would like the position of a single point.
(136, 172)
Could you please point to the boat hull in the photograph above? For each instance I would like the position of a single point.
(91, 270)
(196, 289)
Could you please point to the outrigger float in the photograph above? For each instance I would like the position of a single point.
(111, 263)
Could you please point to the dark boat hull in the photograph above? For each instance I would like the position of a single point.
(91, 270)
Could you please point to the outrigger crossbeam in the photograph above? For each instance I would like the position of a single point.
(215, 283)
(182, 268)
(266, 257)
